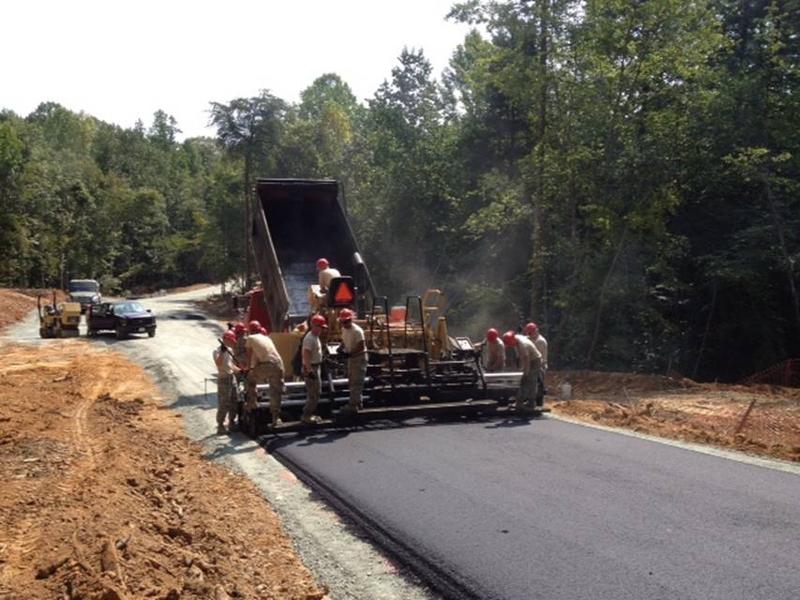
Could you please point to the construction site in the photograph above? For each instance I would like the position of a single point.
(116, 485)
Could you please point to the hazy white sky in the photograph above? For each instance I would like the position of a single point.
(120, 60)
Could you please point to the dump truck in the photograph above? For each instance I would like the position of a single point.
(415, 367)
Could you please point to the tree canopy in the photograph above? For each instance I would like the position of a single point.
(623, 173)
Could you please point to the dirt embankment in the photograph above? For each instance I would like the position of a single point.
(104, 497)
(15, 304)
(684, 410)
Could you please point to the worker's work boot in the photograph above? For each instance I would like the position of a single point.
(311, 420)
(276, 422)
(221, 430)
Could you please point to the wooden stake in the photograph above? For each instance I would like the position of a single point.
(744, 416)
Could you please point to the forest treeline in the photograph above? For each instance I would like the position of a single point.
(624, 173)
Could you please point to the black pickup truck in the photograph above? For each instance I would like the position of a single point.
(123, 318)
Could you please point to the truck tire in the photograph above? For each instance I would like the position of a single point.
(151, 332)
(119, 332)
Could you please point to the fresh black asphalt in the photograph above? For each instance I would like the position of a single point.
(552, 510)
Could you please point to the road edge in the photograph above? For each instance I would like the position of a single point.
(755, 460)
(444, 581)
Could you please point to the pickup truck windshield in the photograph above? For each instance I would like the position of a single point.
(83, 286)
(126, 308)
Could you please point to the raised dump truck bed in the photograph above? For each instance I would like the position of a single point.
(296, 222)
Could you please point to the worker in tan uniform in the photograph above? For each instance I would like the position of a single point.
(326, 274)
(226, 388)
(266, 366)
(530, 360)
(239, 351)
(494, 352)
(355, 350)
(312, 368)
(533, 333)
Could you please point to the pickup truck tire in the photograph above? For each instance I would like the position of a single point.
(90, 333)
(120, 333)
(151, 332)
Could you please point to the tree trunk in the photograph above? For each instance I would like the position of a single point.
(601, 299)
(538, 309)
(247, 224)
(787, 258)
(707, 330)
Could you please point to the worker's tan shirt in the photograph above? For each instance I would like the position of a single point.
(326, 275)
(262, 350)
(541, 346)
(352, 337)
(529, 355)
(495, 355)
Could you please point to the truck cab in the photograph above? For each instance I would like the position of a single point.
(84, 291)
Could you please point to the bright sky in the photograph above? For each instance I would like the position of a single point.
(121, 60)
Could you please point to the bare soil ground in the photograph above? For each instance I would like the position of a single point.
(17, 303)
(681, 409)
(104, 497)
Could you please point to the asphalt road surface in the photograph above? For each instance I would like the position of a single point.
(553, 510)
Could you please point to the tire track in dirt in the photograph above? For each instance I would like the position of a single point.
(27, 534)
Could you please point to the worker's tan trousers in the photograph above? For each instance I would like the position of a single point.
(356, 373)
(266, 373)
(313, 390)
(529, 385)
(226, 399)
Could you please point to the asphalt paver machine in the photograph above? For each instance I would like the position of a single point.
(415, 367)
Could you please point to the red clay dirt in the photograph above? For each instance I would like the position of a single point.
(681, 409)
(105, 498)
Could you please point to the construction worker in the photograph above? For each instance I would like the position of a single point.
(495, 357)
(326, 273)
(533, 333)
(530, 360)
(266, 366)
(226, 388)
(240, 352)
(312, 371)
(355, 350)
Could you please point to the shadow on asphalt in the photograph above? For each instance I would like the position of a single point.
(511, 422)
(275, 441)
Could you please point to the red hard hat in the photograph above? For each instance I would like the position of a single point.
(319, 320)
(239, 329)
(254, 327)
(322, 263)
(492, 334)
(531, 328)
(510, 338)
(346, 314)
(229, 336)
